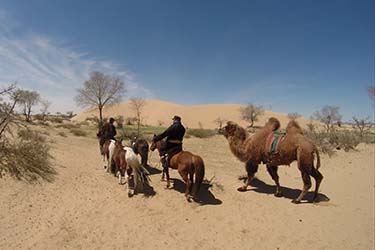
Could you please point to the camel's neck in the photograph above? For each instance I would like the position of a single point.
(238, 148)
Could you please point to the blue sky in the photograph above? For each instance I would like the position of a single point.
(289, 56)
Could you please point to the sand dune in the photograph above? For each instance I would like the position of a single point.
(157, 112)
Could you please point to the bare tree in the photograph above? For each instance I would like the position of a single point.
(251, 113)
(363, 125)
(99, 91)
(28, 99)
(220, 121)
(293, 116)
(329, 115)
(7, 108)
(137, 105)
(44, 106)
(371, 92)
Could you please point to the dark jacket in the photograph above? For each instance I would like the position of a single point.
(175, 132)
(108, 131)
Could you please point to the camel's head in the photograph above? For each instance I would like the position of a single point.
(233, 129)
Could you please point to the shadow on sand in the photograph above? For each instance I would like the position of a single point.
(205, 196)
(152, 170)
(260, 186)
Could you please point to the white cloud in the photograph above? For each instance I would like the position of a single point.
(39, 63)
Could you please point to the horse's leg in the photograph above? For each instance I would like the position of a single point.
(119, 175)
(127, 177)
(306, 186)
(191, 175)
(318, 179)
(251, 169)
(272, 170)
(188, 182)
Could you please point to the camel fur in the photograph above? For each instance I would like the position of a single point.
(294, 147)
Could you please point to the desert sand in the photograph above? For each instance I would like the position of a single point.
(85, 207)
(156, 112)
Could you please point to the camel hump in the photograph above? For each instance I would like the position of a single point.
(294, 127)
(274, 123)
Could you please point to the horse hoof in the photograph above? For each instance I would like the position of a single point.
(242, 189)
(278, 194)
(295, 201)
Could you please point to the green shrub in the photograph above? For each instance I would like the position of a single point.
(201, 133)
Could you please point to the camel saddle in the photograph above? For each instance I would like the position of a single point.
(273, 142)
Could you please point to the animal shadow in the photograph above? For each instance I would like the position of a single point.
(152, 170)
(205, 196)
(260, 186)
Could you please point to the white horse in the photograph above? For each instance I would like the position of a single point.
(131, 161)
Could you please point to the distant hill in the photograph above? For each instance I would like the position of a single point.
(156, 112)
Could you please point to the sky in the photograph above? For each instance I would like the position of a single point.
(288, 56)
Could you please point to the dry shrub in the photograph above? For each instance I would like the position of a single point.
(78, 132)
(62, 134)
(27, 157)
(69, 126)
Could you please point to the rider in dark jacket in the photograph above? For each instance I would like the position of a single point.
(173, 145)
(107, 132)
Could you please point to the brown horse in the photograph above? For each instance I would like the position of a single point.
(187, 165)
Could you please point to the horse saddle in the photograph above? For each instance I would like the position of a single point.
(273, 142)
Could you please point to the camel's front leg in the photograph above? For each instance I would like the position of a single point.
(251, 169)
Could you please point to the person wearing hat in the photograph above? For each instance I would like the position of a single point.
(173, 144)
(107, 132)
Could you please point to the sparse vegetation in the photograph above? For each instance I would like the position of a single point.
(328, 142)
(329, 115)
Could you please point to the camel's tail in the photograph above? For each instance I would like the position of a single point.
(316, 151)
(199, 174)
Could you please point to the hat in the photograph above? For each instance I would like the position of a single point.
(176, 118)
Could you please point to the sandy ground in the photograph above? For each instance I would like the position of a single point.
(85, 208)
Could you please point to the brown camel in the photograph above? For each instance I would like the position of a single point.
(294, 146)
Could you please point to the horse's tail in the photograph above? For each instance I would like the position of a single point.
(198, 164)
(140, 173)
(316, 151)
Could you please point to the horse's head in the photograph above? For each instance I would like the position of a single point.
(155, 144)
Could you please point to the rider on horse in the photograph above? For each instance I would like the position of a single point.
(173, 145)
(106, 132)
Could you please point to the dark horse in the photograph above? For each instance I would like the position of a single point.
(140, 146)
(187, 165)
